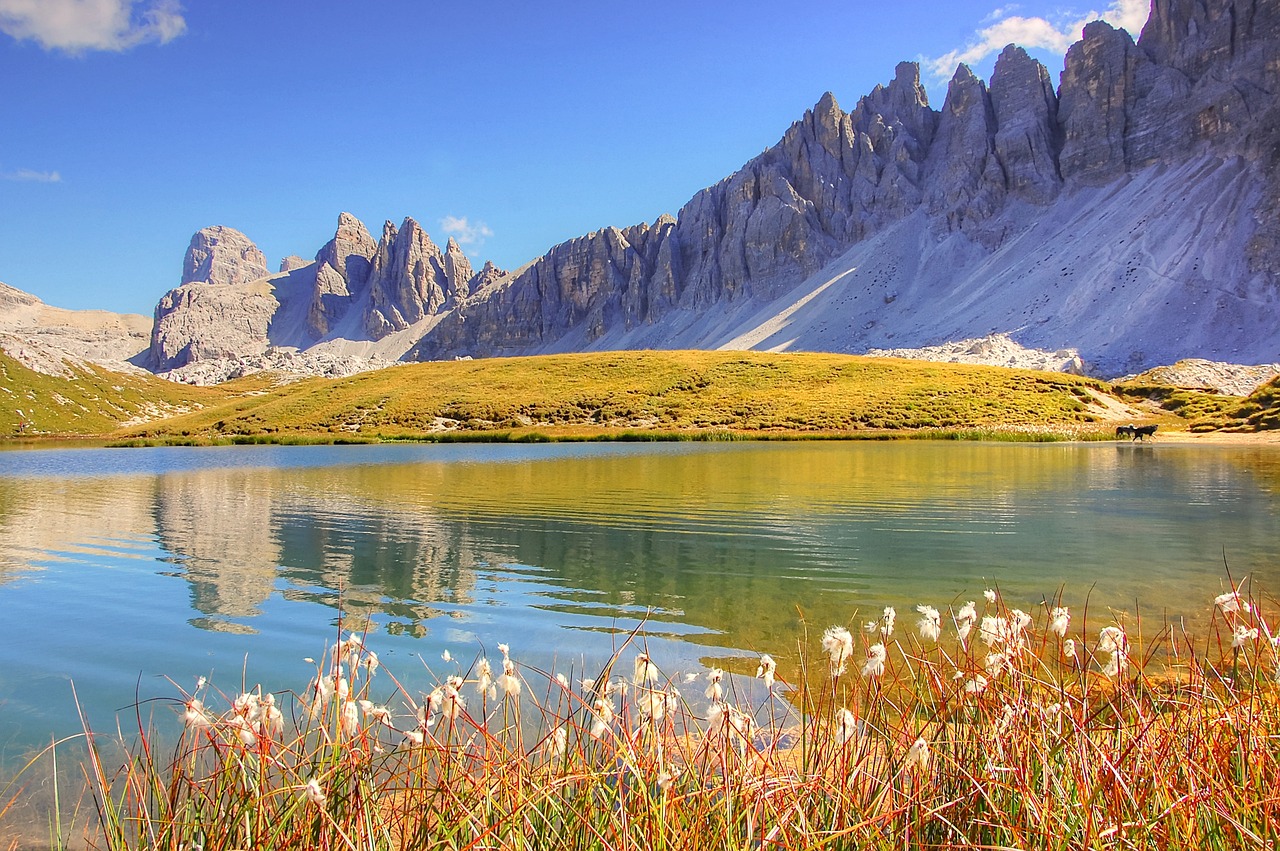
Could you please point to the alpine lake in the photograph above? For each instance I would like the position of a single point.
(126, 574)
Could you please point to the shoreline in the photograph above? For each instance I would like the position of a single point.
(572, 435)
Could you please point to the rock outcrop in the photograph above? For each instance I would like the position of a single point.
(47, 339)
(342, 273)
(1027, 140)
(222, 255)
(1199, 374)
(199, 322)
(412, 278)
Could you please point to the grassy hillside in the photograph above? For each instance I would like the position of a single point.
(1259, 412)
(92, 401)
(615, 392)
(1203, 411)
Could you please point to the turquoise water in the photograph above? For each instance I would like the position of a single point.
(122, 568)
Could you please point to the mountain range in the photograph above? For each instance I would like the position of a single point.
(1129, 217)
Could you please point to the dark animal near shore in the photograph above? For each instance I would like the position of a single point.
(1136, 432)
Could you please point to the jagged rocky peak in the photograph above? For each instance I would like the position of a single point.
(903, 102)
(412, 278)
(342, 272)
(488, 275)
(350, 252)
(965, 178)
(1094, 99)
(292, 262)
(457, 268)
(223, 255)
(1027, 138)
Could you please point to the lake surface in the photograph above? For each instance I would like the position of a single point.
(119, 568)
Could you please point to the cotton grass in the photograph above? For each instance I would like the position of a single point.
(1143, 736)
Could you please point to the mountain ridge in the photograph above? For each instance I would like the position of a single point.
(1139, 195)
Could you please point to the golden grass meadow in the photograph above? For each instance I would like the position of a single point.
(641, 395)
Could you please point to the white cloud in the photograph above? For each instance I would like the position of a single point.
(79, 25)
(464, 231)
(1036, 32)
(26, 175)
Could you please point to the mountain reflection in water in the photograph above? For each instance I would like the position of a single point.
(719, 550)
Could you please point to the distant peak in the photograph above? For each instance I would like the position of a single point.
(826, 104)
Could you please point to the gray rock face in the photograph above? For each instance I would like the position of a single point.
(966, 183)
(1025, 109)
(293, 261)
(342, 274)
(223, 255)
(198, 322)
(412, 278)
(1097, 94)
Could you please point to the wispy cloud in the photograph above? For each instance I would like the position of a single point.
(26, 175)
(1035, 32)
(464, 231)
(76, 26)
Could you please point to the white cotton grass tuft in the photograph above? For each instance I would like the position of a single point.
(350, 719)
(838, 645)
(965, 619)
(195, 717)
(874, 665)
(887, 621)
(484, 680)
(557, 743)
(989, 595)
(1059, 620)
(651, 703)
(993, 630)
(271, 719)
(645, 671)
(918, 755)
(930, 623)
(1232, 602)
(1069, 648)
(767, 669)
(1019, 622)
(1242, 635)
(846, 727)
(602, 715)
(313, 793)
(1111, 639)
(508, 683)
(715, 692)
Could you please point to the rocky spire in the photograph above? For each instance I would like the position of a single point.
(1096, 94)
(1026, 114)
(966, 183)
(411, 278)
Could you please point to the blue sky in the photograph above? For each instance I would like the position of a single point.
(130, 124)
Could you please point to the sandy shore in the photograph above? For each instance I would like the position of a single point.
(1261, 438)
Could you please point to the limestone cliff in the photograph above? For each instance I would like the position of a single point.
(1132, 214)
(1197, 93)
